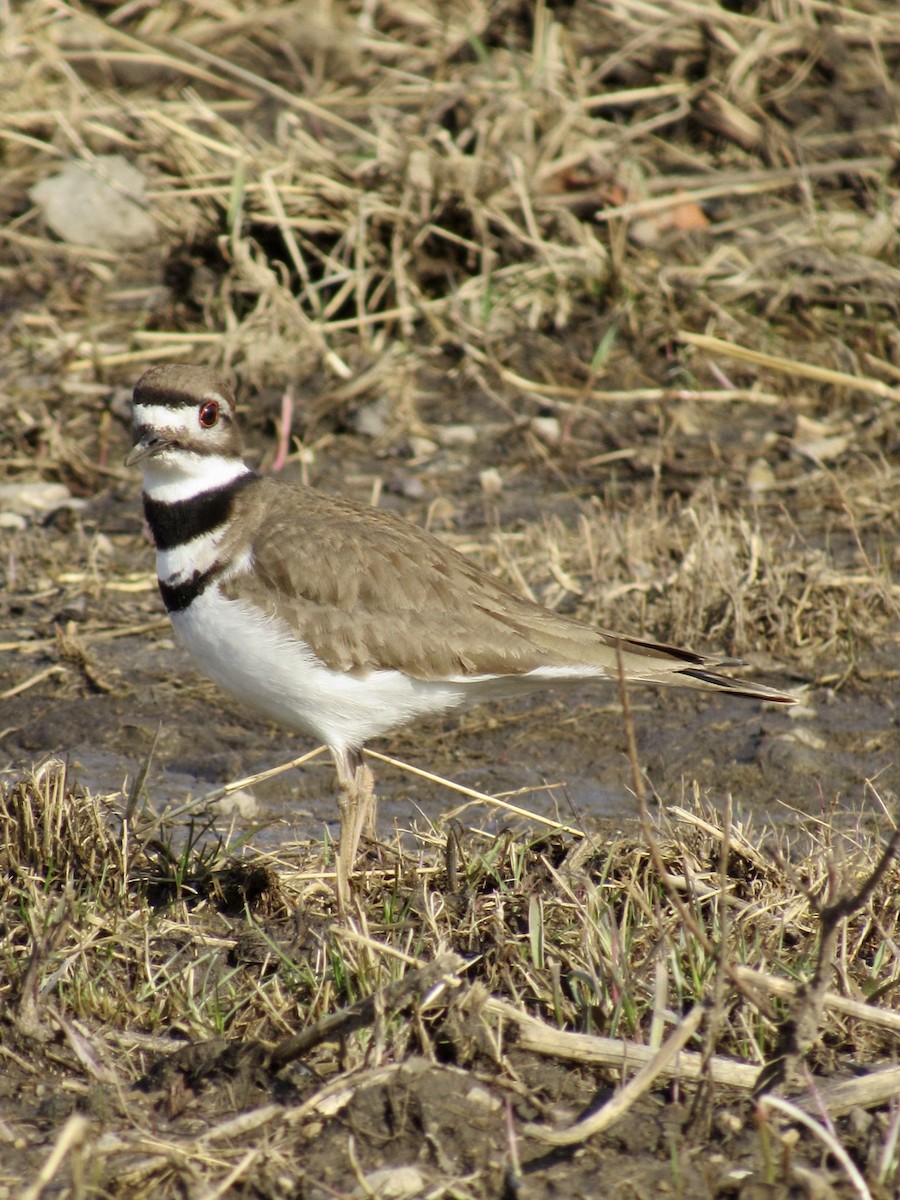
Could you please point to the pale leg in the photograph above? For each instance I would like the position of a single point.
(356, 801)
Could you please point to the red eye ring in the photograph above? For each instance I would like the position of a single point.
(208, 414)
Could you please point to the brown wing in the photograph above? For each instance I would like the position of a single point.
(367, 590)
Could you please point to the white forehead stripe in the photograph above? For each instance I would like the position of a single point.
(162, 417)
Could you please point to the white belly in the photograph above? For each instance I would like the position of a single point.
(257, 659)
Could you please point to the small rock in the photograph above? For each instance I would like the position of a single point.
(454, 436)
(548, 429)
(412, 487)
(237, 804)
(31, 499)
(97, 203)
(392, 1183)
(480, 1096)
(422, 447)
(799, 750)
(806, 737)
(819, 440)
(760, 477)
(804, 709)
(372, 421)
(491, 482)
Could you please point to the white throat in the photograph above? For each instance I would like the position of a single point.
(179, 474)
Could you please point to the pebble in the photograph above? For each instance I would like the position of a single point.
(491, 481)
(454, 436)
(100, 203)
(548, 429)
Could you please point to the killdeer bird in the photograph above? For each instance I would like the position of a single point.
(339, 619)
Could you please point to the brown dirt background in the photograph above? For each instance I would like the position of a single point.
(461, 259)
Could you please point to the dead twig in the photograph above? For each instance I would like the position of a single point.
(661, 1062)
(395, 996)
(800, 1030)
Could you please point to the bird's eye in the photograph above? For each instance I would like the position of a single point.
(208, 414)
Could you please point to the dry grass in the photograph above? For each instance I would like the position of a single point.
(354, 204)
(648, 253)
(137, 954)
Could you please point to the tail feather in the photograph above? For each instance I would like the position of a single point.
(655, 662)
(737, 687)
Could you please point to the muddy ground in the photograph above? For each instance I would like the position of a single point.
(108, 698)
(74, 576)
(418, 1123)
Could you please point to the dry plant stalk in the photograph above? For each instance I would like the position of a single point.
(396, 996)
(661, 1062)
(800, 1030)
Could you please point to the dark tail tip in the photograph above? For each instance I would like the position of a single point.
(737, 687)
